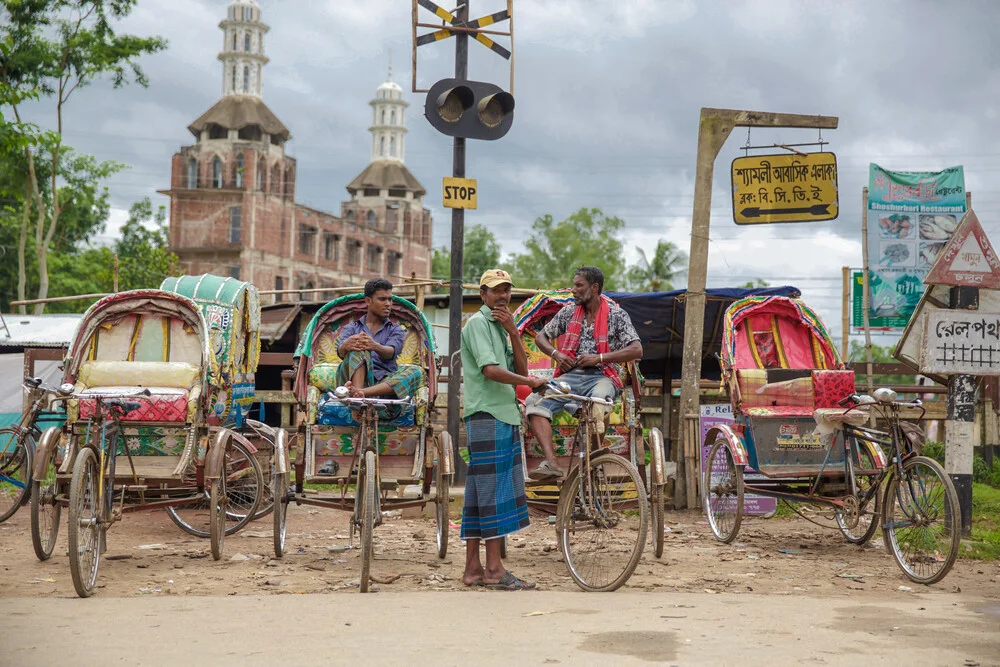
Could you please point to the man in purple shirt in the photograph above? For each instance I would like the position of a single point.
(369, 347)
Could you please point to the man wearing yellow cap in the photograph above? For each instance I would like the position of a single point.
(493, 362)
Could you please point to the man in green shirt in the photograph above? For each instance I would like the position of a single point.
(493, 362)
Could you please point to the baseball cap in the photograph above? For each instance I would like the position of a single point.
(495, 277)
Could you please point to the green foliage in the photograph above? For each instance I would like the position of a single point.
(985, 474)
(756, 282)
(934, 450)
(657, 275)
(144, 257)
(985, 540)
(481, 252)
(880, 355)
(556, 249)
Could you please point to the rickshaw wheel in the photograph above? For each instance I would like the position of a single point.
(85, 532)
(868, 514)
(217, 515)
(657, 518)
(279, 486)
(15, 471)
(602, 545)
(369, 501)
(45, 511)
(921, 521)
(723, 492)
(442, 498)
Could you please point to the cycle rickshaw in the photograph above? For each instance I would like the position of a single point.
(601, 516)
(381, 445)
(799, 423)
(143, 382)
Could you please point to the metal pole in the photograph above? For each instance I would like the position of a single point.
(457, 262)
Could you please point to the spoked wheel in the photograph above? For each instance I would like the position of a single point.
(279, 492)
(442, 498)
(217, 515)
(368, 508)
(45, 510)
(921, 521)
(859, 518)
(656, 515)
(244, 486)
(603, 531)
(85, 532)
(15, 471)
(723, 492)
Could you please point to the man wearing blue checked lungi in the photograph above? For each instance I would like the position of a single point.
(493, 362)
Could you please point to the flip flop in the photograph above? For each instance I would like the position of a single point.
(476, 584)
(509, 582)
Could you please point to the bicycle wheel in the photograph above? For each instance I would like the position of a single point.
(859, 522)
(722, 498)
(15, 470)
(85, 532)
(279, 492)
(45, 509)
(656, 517)
(603, 530)
(244, 482)
(921, 521)
(217, 516)
(442, 499)
(368, 509)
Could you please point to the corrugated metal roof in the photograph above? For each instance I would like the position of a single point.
(38, 330)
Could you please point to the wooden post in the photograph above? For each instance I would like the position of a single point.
(845, 322)
(714, 128)
(866, 295)
(115, 274)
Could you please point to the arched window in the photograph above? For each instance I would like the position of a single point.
(239, 171)
(392, 117)
(234, 40)
(276, 179)
(259, 79)
(234, 77)
(192, 173)
(371, 218)
(381, 146)
(392, 146)
(246, 79)
(260, 173)
(216, 173)
(383, 116)
(246, 41)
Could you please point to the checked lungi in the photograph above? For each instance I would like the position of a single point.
(404, 381)
(495, 504)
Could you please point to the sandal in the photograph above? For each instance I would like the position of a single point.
(476, 584)
(509, 582)
(546, 470)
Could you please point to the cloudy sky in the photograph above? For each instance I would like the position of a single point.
(608, 97)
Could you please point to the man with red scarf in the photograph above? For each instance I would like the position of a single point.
(595, 338)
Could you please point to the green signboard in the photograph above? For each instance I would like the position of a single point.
(905, 287)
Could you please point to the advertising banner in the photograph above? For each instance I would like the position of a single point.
(722, 413)
(911, 217)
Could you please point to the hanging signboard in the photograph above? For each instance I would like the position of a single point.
(784, 188)
(911, 217)
(885, 323)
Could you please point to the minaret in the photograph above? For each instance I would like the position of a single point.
(242, 53)
(388, 122)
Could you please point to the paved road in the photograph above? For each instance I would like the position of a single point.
(490, 628)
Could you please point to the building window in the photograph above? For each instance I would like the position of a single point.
(307, 237)
(392, 117)
(234, 66)
(246, 79)
(239, 171)
(331, 247)
(392, 146)
(394, 258)
(279, 284)
(192, 173)
(259, 80)
(381, 146)
(234, 40)
(371, 192)
(216, 173)
(246, 42)
(234, 272)
(276, 179)
(235, 224)
(354, 253)
(371, 218)
(383, 116)
(374, 258)
(260, 172)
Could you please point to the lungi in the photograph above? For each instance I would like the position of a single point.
(404, 381)
(495, 504)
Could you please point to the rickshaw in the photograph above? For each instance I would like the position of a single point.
(143, 381)
(585, 540)
(366, 447)
(800, 424)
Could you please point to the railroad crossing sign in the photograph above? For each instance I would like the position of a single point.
(460, 193)
(968, 260)
(472, 27)
(785, 188)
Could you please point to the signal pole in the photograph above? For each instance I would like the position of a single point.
(457, 261)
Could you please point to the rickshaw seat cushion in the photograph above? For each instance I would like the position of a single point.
(324, 376)
(757, 392)
(175, 374)
(829, 387)
(779, 411)
(164, 404)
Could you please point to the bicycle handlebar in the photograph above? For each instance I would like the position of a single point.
(561, 390)
(856, 400)
(340, 393)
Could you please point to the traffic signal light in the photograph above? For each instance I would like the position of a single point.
(470, 109)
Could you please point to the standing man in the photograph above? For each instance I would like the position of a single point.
(595, 338)
(369, 347)
(493, 361)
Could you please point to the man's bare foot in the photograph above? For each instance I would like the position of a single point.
(473, 577)
(353, 391)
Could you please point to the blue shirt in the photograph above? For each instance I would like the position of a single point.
(390, 334)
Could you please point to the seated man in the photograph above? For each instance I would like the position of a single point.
(595, 337)
(369, 346)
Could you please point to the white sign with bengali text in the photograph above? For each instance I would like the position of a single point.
(961, 343)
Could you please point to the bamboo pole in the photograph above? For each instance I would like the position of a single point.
(845, 332)
(58, 299)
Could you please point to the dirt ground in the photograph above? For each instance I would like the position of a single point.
(148, 555)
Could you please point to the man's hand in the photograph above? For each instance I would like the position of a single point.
(565, 362)
(537, 383)
(365, 342)
(588, 361)
(506, 319)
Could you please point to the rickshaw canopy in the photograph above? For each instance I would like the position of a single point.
(776, 332)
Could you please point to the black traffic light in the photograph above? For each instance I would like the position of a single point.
(470, 109)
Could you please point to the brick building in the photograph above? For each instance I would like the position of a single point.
(232, 193)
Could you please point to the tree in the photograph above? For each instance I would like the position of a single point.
(756, 282)
(669, 262)
(880, 355)
(51, 48)
(556, 249)
(481, 252)
(144, 257)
